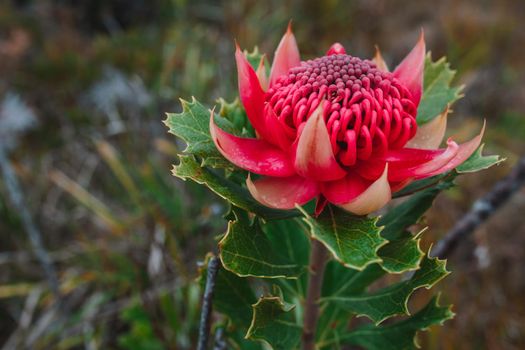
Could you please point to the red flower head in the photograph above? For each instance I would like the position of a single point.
(338, 128)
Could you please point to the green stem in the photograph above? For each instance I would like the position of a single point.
(318, 255)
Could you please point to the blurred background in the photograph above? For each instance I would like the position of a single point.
(84, 86)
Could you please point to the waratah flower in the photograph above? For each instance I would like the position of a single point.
(337, 128)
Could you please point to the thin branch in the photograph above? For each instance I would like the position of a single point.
(318, 257)
(220, 342)
(482, 209)
(207, 302)
(16, 198)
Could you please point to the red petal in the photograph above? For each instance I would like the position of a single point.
(251, 93)
(254, 155)
(336, 49)
(358, 195)
(442, 161)
(282, 193)
(314, 158)
(346, 189)
(286, 56)
(410, 70)
(277, 134)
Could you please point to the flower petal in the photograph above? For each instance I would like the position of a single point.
(346, 189)
(254, 155)
(465, 150)
(261, 73)
(282, 193)
(277, 134)
(441, 161)
(286, 56)
(372, 196)
(410, 70)
(379, 61)
(336, 49)
(250, 92)
(314, 158)
(430, 135)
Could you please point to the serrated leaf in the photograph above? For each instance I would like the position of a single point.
(397, 336)
(397, 219)
(192, 125)
(437, 92)
(393, 300)
(188, 168)
(232, 296)
(290, 238)
(477, 161)
(234, 112)
(254, 58)
(401, 254)
(352, 240)
(420, 185)
(341, 281)
(273, 323)
(247, 251)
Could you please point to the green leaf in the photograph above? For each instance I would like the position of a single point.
(273, 323)
(342, 281)
(192, 125)
(393, 300)
(232, 296)
(246, 251)
(188, 168)
(234, 112)
(401, 254)
(437, 92)
(397, 219)
(352, 240)
(397, 336)
(477, 161)
(254, 58)
(290, 238)
(420, 185)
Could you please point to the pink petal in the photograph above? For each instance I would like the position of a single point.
(442, 161)
(282, 193)
(464, 152)
(314, 158)
(277, 133)
(346, 189)
(250, 91)
(286, 56)
(336, 49)
(261, 73)
(254, 155)
(379, 61)
(363, 197)
(431, 134)
(410, 70)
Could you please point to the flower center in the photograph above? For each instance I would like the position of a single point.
(366, 111)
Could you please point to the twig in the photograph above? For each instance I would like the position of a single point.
(207, 302)
(311, 309)
(17, 201)
(482, 209)
(220, 343)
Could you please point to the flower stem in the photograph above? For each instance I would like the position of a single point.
(214, 265)
(315, 281)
